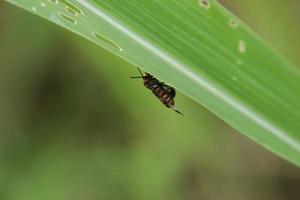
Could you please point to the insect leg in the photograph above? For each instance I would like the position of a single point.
(141, 72)
(142, 75)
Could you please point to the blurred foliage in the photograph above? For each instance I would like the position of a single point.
(74, 126)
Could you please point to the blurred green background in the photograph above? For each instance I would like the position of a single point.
(74, 126)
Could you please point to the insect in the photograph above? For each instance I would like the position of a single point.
(163, 92)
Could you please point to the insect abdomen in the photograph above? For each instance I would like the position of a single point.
(162, 91)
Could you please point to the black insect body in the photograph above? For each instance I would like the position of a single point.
(163, 92)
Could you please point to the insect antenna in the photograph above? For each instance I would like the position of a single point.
(136, 77)
(142, 76)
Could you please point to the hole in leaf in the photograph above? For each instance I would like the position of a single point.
(67, 18)
(242, 46)
(71, 11)
(233, 23)
(53, 1)
(107, 41)
(71, 6)
(239, 62)
(33, 9)
(204, 3)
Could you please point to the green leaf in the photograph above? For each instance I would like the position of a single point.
(203, 51)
